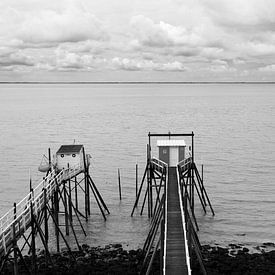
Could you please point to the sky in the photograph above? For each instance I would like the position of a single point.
(137, 40)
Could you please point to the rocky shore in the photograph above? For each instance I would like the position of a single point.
(237, 259)
(113, 259)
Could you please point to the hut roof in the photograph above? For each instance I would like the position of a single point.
(171, 142)
(65, 149)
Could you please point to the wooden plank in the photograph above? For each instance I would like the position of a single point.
(175, 243)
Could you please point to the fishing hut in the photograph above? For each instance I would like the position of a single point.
(61, 201)
(171, 151)
(71, 156)
(169, 185)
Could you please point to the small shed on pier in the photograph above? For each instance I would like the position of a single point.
(71, 155)
(171, 151)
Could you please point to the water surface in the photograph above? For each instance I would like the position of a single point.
(234, 128)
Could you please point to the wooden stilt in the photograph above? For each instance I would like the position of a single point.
(66, 210)
(69, 220)
(98, 195)
(119, 185)
(98, 203)
(46, 229)
(140, 189)
(75, 190)
(33, 249)
(61, 234)
(76, 213)
(56, 218)
(70, 201)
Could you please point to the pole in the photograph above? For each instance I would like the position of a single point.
(50, 160)
(45, 217)
(192, 173)
(66, 209)
(33, 241)
(75, 191)
(70, 201)
(55, 202)
(15, 266)
(119, 185)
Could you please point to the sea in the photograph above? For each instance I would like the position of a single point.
(234, 127)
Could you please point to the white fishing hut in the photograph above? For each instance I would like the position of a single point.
(70, 155)
(171, 151)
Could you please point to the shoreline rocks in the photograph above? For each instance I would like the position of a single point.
(113, 259)
(235, 259)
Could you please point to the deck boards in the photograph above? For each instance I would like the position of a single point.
(175, 244)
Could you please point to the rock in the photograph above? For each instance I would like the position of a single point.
(269, 244)
(118, 245)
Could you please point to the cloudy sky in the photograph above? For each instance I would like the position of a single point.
(137, 40)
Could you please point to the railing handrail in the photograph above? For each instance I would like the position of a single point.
(159, 162)
(22, 206)
(183, 218)
(185, 161)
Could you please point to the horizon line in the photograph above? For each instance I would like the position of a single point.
(137, 82)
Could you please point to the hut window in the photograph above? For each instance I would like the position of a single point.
(62, 155)
(73, 155)
(164, 151)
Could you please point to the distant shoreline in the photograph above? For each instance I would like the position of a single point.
(135, 82)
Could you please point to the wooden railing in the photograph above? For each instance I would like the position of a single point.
(159, 165)
(17, 220)
(185, 165)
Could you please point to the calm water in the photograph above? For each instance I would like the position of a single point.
(234, 128)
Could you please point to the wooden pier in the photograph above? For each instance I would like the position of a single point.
(173, 180)
(58, 193)
(175, 255)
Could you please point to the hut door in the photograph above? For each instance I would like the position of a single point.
(174, 156)
(164, 154)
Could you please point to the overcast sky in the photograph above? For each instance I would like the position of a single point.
(137, 40)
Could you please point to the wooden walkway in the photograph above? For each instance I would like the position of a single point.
(175, 253)
(15, 224)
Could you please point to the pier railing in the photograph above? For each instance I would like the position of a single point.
(185, 165)
(159, 165)
(17, 220)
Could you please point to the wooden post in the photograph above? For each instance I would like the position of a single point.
(119, 184)
(33, 249)
(70, 201)
(162, 245)
(46, 230)
(55, 202)
(14, 211)
(66, 210)
(86, 189)
(139, 191)
(148, 180)
(15, 261)
(15, 264)
(75, 192)
(50, 159)
(192, 172)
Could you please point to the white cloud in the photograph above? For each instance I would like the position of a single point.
(172, 66)
(268, 68)
(138, 65)
(74, 61)
(199, 36)
(72, 24)
(15, 59)
(161, 34)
